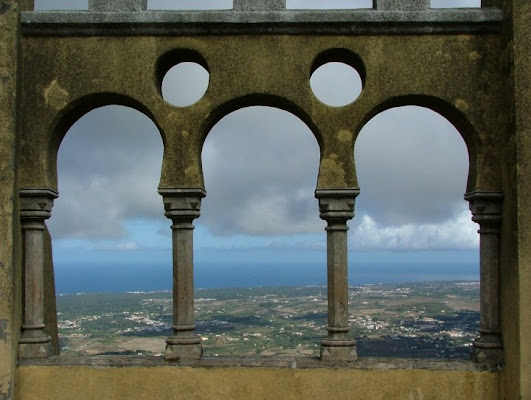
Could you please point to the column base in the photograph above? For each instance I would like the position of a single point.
(490, 353)
(183, 348)
(338, 350)
(35, 348)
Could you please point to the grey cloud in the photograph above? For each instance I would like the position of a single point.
(259, 163)
(191, 79)
(108, 170)
(336, 84)
(412, 167)
(260, 167)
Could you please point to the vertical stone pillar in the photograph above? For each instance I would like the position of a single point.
(336, 208)
(35, 207)
(486, 210)
(182, 206)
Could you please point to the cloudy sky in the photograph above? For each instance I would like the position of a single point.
(260, 167)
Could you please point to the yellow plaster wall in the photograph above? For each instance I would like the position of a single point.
(169, 382)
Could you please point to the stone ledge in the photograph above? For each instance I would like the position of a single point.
(364, 363)
(228, 22)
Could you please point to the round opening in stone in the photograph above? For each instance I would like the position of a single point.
(185, 84)
(336, 84)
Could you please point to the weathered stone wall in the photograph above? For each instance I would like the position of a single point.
(9, 272)
(521, 15)
(66, 77)
(165, 383)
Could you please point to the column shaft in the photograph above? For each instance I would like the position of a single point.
(183, 276)
(337, 207)
(337, 272)
(36, 205)
(33, 278)
(489, 275)
(486, 210)
(182, 206)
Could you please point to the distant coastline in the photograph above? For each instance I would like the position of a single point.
(121, 278)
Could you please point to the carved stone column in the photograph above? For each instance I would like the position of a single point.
(337, 207)
(486, 210)
(182, 206)
(35, 207)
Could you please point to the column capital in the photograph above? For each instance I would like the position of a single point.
(182, 203)
(36, 203)
(486, 206)
(337, 204)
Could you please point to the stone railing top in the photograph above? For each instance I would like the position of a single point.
(128, 17)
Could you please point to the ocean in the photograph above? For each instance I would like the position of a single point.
(99, 277)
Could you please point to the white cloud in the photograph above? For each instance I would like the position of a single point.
(456, 233)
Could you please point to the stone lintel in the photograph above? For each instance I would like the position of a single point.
(402, 5)
(289, 22)
(117, 5)
(259, 5)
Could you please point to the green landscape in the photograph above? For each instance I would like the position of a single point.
(414, 320)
